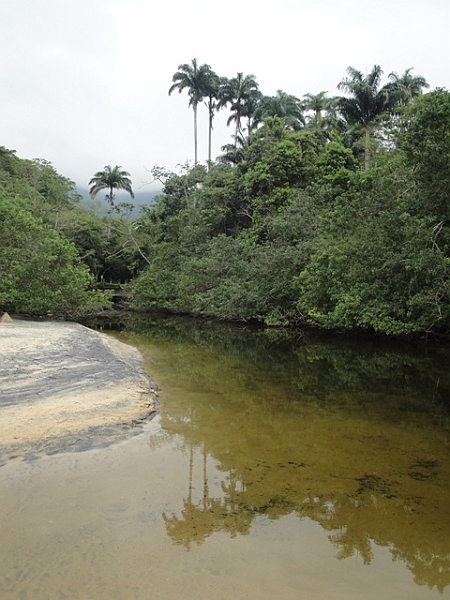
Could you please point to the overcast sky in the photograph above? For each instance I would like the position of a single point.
(84, 83)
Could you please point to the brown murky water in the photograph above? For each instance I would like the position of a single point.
(298, 469)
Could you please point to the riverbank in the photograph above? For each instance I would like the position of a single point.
(66, 387)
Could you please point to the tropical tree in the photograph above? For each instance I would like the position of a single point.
(110, 179)
(425, 138)
(318, 104)
(41, 269)
(237, 92)
(235, 153)
(8, 162)
(197, 80)
(322, 116)
(407, 86)
(250, 109)
(366, 102)
(212, 95)
(283, 105)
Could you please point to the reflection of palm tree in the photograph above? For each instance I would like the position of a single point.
(199, 520)
(349, 544)
(191, 473)
(205, 480)
(280, 486)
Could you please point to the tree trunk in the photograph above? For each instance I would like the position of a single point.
(238, 127)
(110, 207)
(249, 126)
(367, 150)
(195, 133)
(209, 137)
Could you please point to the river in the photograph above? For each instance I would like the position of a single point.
(296, 466)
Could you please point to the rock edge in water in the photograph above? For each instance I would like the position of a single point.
(64, 386)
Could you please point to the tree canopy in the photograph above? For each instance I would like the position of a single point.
(199, 81)
(111, 178)
(292, 228)
(42, 269)
(327, 211)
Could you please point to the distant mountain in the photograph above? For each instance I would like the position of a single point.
(100, 206)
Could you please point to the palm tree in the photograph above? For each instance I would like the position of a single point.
(235, 153)
(250, 108)
(283, 105)
(322, 115)
(367, 102)
(212, 95)
(407, 86)
(110, 179)
(196, 80)
(318, 104)
(236, 92)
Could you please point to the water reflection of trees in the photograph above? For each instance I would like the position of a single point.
(319, 361)
(353, 515)
(201, 517)
(352, 435)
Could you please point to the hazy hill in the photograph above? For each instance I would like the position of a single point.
(99, 206)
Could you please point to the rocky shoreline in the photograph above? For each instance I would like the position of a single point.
(65, 387)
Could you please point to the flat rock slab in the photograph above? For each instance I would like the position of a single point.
(66, 387)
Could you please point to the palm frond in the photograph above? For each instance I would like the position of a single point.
(111, 179)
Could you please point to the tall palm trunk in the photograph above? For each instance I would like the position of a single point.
(210, 126)
(195, 132)
(367, 149)
(110, 207)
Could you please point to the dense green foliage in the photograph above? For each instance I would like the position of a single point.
(40, 268)
(51, 250)
(328, 211)
(298, 229)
